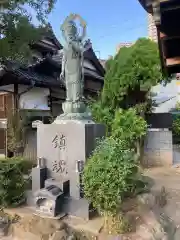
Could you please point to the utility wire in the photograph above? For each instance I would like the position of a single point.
(124, 32)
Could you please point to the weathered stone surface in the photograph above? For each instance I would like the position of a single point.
(36, 228)
(147, 200)
(59, 235)
(4, 225)
(158, 149)
(65, 147)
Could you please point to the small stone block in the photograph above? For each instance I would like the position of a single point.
(63, 185)
(38, 178)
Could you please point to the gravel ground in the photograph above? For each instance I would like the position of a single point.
(6, 238)
(170, 179)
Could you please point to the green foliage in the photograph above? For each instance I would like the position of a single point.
(122, 124)
(118, 224)
(110, 175)
(12, 183)
(132, 71)
(177, 106)
(16, 28)
(128, 126)
(176, 126)
(101, 114)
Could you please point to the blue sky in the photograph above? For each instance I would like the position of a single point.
(108, 22)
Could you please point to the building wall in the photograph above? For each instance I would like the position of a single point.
(152, 30)
(6, 104)
(30, 150)
(167, 106)
(34, 99)
(125, 44)
(172, 91)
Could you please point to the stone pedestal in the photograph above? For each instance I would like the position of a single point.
(77, 111)
(39, 176)
(158, 148)
(65, 148)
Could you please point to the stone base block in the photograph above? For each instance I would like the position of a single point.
(39, 175)
(77, 207)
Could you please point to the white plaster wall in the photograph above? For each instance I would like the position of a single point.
(7, 88)
(166, 106)
(171, 90)
(36, 98)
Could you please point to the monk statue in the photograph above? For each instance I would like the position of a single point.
(72, 61)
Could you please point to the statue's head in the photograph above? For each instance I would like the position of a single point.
(71, 30)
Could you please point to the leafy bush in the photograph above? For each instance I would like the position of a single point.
(128, 126)
(102, 114)
(12, 183)
(131, 72)
(110, 175)
(176, 126)
(177, 106)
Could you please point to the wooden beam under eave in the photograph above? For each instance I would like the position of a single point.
(161, 1)
(162, 35)
(161, 52)
(173, 61)
(171, 8)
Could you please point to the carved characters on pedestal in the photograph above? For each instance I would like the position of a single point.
(59, 165)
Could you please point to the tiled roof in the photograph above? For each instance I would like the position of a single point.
(58, 59)
(28, 76)
(38, 79)
(88, 72)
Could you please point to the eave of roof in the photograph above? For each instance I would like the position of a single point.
(90, 55)
(50, 34)
(146, 6)
(56, 61)
(29, 77)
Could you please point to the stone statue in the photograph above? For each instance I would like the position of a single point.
(72, 68)
(72, 61)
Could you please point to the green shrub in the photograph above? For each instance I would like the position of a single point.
(24, 165)
(12, 183)
(102, 114)
(110, 175)
(128, 126)
(176, 126)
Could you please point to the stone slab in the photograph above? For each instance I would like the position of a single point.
(158, 149)
(64, 145)
(61, 145)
